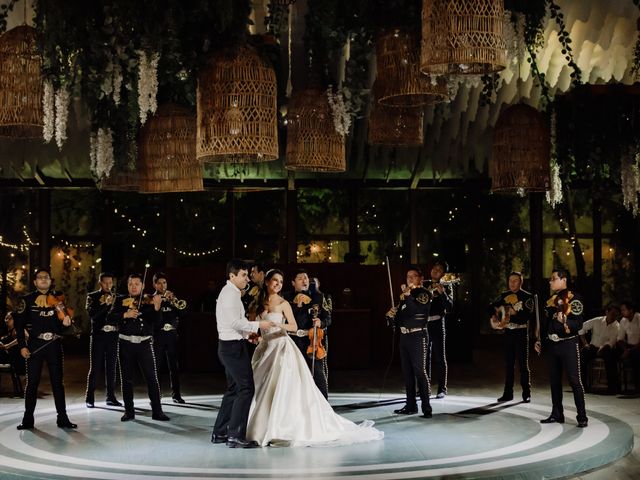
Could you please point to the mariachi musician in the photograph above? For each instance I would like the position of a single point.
(512, 312)
(104, 341)
(43, 315)
(560, 336)
(312, 312)
(165, 341)
(137, 315)
(410, 317)
(441, 304)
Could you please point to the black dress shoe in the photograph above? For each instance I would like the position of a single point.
(160, 416)
(219, 438)
(128, 416)
(505, 398)
(526, 399)
(552, 419)
(65, 423)
(178, 399)
(112, 402)
(406, 411)
(427, 415)
(25, 426)
(89, 404)
(583, 423)
(241, 443)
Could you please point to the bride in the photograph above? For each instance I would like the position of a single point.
(288, 409)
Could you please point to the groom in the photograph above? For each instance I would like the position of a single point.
(233, 328)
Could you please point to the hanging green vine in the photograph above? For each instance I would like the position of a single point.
(565, 41)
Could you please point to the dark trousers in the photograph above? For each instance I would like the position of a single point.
(53, 355)
(103, 355)
(438, 354)
(318, 367)
(565, 355)
(633, 357)
(588, 354)
(236, 401)
(132, 355)
(165, 345)
(516, 347)
(413, 358)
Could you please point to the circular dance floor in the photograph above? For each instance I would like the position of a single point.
(470, 437)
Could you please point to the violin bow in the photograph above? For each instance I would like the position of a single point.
(144, 279)
(535, 302)
(390, 284)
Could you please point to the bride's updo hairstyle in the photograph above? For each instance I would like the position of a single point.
(264, 294)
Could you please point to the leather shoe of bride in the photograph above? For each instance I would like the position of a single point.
(406, 411)
(552, 419)
(233, 442)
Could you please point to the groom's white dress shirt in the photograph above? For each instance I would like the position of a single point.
(232, 324)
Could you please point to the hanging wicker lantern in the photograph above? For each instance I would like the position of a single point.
(121, 181)
(312, 141)
(167, 152)
(397, 127)
(462, 37)
(399, 81)
(237, 108)
(20, 84)
(521, 151)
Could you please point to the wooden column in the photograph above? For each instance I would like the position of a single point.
(413, 225)
(169, 211)
(44, 228)
(596, 205)
(536, 245)
(292, 216)
(232, 198)
(354, 244)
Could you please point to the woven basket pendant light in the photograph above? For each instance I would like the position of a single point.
(399, 81)
(237, 109)
(521, 151)
(312, 141)
(20, 84)
(167, 152)
(463, 37)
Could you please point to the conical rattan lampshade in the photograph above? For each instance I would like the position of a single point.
(167, 152)
(462, 37)
(396, 127)
(399, 81)
(521, 151)
(237, 108)
(312, 141)
(20, 84)
(121, 181)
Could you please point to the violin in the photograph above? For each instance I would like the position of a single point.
(316, 336)
(562, 303)
(62, 311)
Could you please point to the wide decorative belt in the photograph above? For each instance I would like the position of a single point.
(412, 330)
(135, 338)
(167, 327)
(299, 333)
(109, 328)
(515, 326)
(48, 336)
(434, 317)
(555, 338)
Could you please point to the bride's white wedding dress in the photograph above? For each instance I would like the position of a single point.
(288, 409)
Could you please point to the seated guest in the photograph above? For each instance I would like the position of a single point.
(629, 339)
(604, 335)
(10, 355)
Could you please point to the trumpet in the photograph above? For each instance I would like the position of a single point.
(174, 302)
(447, 279)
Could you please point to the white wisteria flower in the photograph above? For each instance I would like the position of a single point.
(339, 112)
(630, 180)
(62, 114)
(48, 110)
(554, 194)
(147, 83)
(514, 37)
(101, 152)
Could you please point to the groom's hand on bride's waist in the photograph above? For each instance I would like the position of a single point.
(265, 324)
